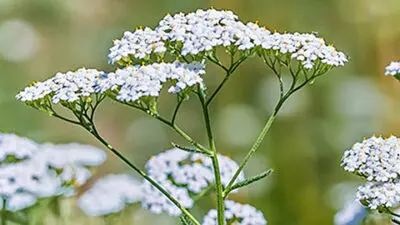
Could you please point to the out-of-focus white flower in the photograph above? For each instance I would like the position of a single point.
(15, 146)
(110, 194)
(183, 174)
(20, 201)
(376, 194)
(237, 213)
(375, 158)
(61, 155)
(352, 214)
(43, 170)
(393, 69)
(157, 203)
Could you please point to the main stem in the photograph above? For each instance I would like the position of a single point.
(214, 158)
(144, 175)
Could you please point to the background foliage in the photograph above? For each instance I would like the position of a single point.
(41, 37)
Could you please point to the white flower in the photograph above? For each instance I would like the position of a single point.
(306, 48)
(45, 171)
(61, 155)
(18, 147)
(352, 213)
(135, 82)
(67, 87)
(375, 158)
(393, 69)
(20, 201)
(204, 30)
(183, 173)
(198, 31)
(139, 44)
(238, 214)
(110, 194)
(157, 202)
(192, 170)
(377, 194)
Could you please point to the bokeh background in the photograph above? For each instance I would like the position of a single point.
(40, 37)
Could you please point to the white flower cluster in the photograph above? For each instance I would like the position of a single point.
(157, 203)
(203, 30)
(140, 44)
(375, 158)
(16, 147)
(67, 87)
(237, 213)
(49, 170)
(135, 82)
(393, 69)
(380, 194)
(352, 213)
(110, 194)
(307, 48)
(130, 83)
(182, 174)
(378, 160)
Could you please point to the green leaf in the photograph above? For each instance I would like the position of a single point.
(189, 149)
(250, 180)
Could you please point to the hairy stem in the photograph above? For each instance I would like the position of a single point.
(214, 158)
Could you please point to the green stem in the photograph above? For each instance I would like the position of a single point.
(204, 192)
(266, 128)
(395, 221)
(253, 149)
(4, 213)
(174, 127)
(143, 174)
(214, 158)
(226, 78)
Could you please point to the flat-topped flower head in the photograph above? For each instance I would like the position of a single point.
(110, 194)
(393, 69)
(236, 213)
(184, 175)
(376, 159)
(14, 147)
(187, 34)
(308, 49)
(377, 195)
(136, 82)
(139, 44)
(204, 30)
(66, 87)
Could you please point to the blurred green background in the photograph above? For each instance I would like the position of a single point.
(40, 37)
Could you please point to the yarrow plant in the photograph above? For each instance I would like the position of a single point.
(377, 160)
(174, 55)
